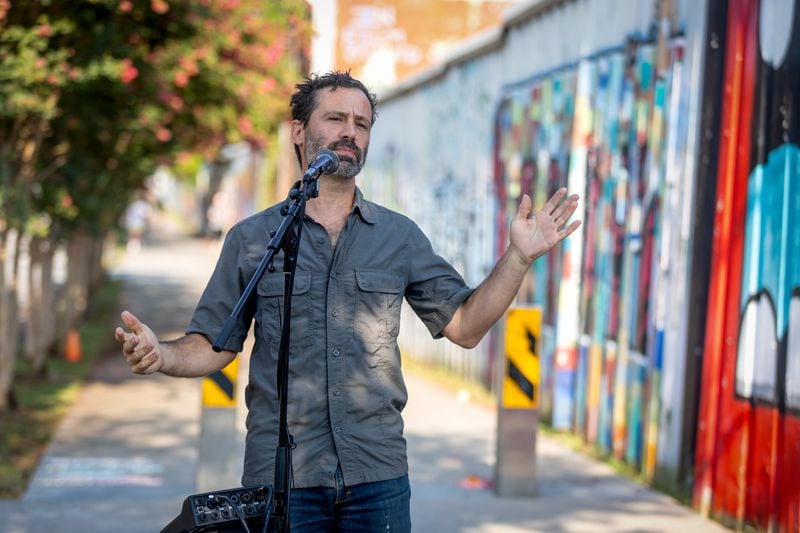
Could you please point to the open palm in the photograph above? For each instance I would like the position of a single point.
(534, 235)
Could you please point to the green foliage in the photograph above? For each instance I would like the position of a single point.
(96, 94)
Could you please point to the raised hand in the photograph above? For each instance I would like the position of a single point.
(534, 235)
(139, 346)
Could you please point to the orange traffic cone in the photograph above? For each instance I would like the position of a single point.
(72, 346)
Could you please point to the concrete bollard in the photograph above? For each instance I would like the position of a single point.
(518, 415)
(217, 467)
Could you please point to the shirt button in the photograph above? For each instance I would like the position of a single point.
(333, 275)
(337, 429)
(336, 352)
(333, 313)
(320, 241)
(336, 392)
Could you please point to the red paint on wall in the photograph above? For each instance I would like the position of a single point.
(747, 460)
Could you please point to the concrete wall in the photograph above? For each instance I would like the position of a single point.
(449, 149)
(669, 317)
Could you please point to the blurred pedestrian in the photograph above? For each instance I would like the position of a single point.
(357, 261)
(137, 222)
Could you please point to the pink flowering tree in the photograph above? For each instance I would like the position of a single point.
(94, 95)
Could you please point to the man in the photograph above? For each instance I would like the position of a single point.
(357, 262)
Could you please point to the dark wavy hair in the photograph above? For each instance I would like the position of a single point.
(304, 99)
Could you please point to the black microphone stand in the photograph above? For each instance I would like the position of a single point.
(286, 238)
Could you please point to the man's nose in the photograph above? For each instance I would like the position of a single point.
(348, 129)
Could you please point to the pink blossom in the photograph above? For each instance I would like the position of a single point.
(268, 84)
(159, 6)
(273, 53)
(129, 72)
(181, 79)
(45, 30)
(176, 102)
(245, 126)
(163, 134)
(189, 65)
(126, 6)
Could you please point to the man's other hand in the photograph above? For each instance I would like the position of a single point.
(139, 346)
(534, 235)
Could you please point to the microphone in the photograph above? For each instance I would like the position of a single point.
(325, 162)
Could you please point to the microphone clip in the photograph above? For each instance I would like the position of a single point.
(312, 189)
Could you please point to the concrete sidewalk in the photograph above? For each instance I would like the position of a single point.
(449, 440)
(126, 455)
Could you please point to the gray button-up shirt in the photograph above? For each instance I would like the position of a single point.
(346, 389)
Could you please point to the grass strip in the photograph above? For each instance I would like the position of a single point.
(44, 398)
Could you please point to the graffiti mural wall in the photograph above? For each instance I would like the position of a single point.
(669, 335)
(748, 448)
(598, 127)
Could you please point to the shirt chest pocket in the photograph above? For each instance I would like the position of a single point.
(380, 298)
(270, 308)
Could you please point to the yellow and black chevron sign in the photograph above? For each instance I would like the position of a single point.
(219, 388)
(522, 373)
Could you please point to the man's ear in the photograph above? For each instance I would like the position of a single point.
(298, 132)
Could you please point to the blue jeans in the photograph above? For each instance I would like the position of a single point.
(382, 506)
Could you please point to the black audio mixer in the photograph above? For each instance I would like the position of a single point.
(217, 511)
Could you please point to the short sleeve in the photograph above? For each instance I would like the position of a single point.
(435, 290)
(221, 294)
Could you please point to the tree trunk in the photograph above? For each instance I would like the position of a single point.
(9, 323)
(95, 266)
(40, 329)
(49, 325)
(77, 292)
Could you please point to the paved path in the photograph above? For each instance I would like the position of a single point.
(450, 440)
(126, 454)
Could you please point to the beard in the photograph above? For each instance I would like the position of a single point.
(348, 167)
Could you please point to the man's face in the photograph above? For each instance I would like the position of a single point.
(341, 122)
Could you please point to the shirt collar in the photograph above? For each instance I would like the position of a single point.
(360, 206)
(363, 208)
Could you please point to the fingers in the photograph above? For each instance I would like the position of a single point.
(130, 320)
(572, 227)
(555, 206)
(146, 364)
(525, 206)
(555, 201)
(565, 210)
(128, 340)
(137, 348)
(141, 356)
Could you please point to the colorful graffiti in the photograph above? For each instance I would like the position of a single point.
(748, 446)
(599, 127)
(670, 323)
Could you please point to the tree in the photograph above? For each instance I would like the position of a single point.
(95, 94)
